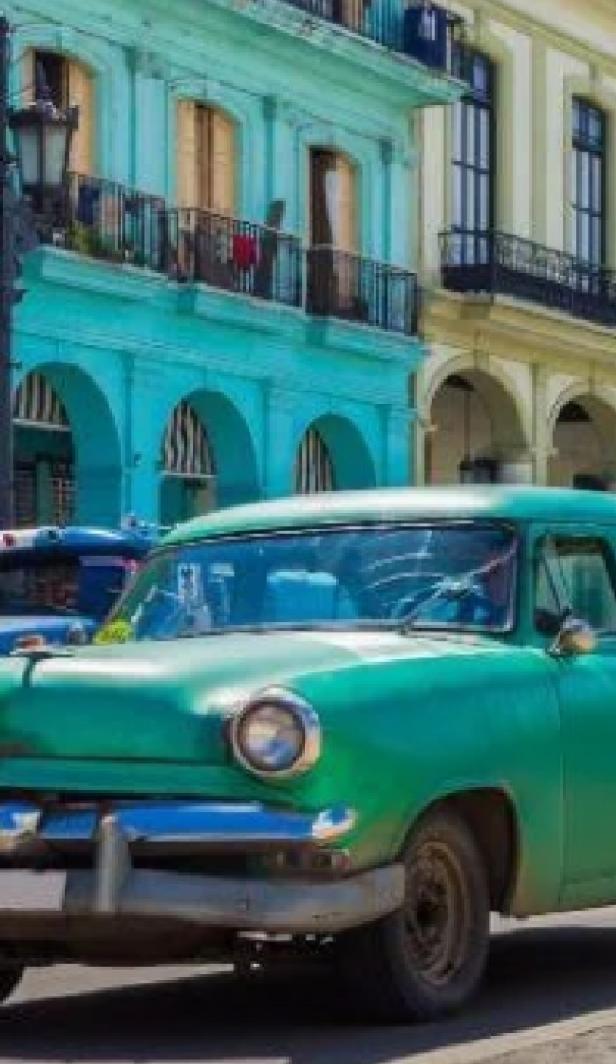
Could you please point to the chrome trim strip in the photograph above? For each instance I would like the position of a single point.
(174, 823)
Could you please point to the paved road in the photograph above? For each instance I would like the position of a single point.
(551, 986)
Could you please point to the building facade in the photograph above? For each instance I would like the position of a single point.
(225, 306)
(518, 246)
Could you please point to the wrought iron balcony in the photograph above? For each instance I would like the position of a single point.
(105, 220)
(498, 263)
(235, 255)
(422, 30)
(343, 285)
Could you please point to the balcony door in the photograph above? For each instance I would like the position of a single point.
(335, 268)
(473, 160)
(68, 83)
(206, 158)
(588, 183)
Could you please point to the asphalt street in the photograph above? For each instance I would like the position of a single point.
(550, 996)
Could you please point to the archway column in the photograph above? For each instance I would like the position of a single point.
(541, 440)
(398, 463)
(280, 442)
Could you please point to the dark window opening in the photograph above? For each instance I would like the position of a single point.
(473, 155)
(51, 78)
(588, 183)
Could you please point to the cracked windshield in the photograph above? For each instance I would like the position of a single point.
(429, 576)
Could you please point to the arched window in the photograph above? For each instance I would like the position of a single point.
(206, 146)
(186, 448)
(68, 83)
(44, 455)
(314, 468)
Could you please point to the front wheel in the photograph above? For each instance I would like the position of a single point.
(10, 979)
(426, 959)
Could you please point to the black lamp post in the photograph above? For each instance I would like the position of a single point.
(42, 137)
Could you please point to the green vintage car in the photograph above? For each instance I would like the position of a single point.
(353, 723)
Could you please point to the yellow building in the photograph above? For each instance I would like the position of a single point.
(518, 243)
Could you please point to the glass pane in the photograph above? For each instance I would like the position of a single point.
(573, 169)
(595, 127)
(484, 202)
(457, 120)
(583, 250)
(597, 182)
(484, 138)
(596, 249)
(470, 132)
(584, 179)
(470, 200)
(55, 152)
(29, 153)
(457, 209)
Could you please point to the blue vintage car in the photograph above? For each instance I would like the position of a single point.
(60, 583)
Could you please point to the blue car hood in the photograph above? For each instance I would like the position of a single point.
(54, 629)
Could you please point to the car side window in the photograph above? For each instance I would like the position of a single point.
(575, 574)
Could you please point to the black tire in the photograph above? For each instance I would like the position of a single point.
(427, 959)
(10, 979)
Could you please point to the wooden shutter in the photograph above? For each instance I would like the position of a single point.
(222, 163)
(345, 235)
(81, 95)
(186, 155)
(28, 78)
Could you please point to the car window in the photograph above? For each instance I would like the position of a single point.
(430, 575)
(575, 573)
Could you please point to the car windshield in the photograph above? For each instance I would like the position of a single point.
(87, 585)
(457, 576)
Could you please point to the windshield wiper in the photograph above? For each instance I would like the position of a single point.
(447, 590)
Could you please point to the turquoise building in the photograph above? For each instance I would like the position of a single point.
(225, 307)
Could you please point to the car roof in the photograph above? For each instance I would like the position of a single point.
(496, 502)
(91, 540)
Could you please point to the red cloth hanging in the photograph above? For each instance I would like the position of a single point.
(244, 251)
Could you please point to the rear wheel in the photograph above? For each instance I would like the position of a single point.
(426, 959)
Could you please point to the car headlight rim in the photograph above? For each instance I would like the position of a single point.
(300, 712)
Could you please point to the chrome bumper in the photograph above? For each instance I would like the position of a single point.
(113, 887)
(170, 826)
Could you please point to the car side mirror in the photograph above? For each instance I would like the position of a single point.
(574, 637)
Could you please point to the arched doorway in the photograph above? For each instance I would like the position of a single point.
(475, 434)
(207, 460)
(67, 450)
(584, 444)
(332, 456)
(44, 455)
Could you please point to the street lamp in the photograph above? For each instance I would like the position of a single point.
(42, 136)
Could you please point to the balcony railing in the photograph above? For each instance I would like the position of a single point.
(103, 220)
(421, 29)
(235, 255)
(498, 263)
(343, 285)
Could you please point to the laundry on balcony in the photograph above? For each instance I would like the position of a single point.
(244, 251)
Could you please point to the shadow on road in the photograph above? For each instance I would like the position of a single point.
(536, 976)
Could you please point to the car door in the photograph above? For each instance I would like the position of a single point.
(575, 570)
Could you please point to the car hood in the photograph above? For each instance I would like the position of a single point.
(153, 703)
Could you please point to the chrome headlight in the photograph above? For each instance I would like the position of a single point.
(277, 734)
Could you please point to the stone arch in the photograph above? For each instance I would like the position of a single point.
(582, 428)
(216, 467)
(336, 444)
(87, 443)
(475, 428)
